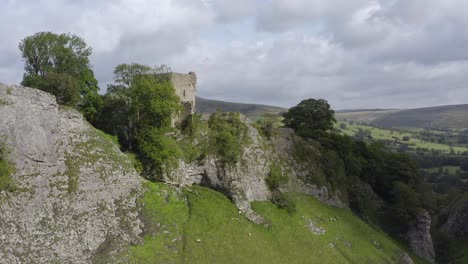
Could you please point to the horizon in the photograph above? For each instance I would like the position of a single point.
(356, 54)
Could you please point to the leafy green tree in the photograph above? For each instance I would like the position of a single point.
(139, 108)
(228, 136)
(125, 73)
(405, 204)
(59, 64)
(310, 116)
(158, 151)
(141, 96)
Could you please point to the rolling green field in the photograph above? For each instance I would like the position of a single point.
(437, 117)
(199, 225)
(451, 170)
(398, 136)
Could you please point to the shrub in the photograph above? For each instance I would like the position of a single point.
(159, 152)
(283, 202)
(227, 137)
(268, 123)
(276, 177)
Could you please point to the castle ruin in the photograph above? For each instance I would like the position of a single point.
(185, 88)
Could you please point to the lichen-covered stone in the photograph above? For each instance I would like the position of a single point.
(457, 220)
(77, 192)
(419, 237)
(245, 181)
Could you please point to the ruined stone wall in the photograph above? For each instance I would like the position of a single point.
(185, 87)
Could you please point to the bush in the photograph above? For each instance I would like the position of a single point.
(191, 125)
(268, 123)
(283, 202)
(159, 152)
(227, 137)
(276, 177)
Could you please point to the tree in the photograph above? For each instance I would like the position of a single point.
(127, 103)
(59, 64)
(268, 123)
(125, 73)
(310, 116)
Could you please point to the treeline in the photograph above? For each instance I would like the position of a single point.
(137, 108)
(381, 186)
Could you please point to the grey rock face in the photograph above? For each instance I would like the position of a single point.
(243, 183)
(246, 181)
(457, 221)
(77, 191)
(419, 237)
(404, 259)
(283, 145)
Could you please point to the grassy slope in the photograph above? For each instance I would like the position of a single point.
(386, 134)
(253, 111)
(449, 116)
(199, 225)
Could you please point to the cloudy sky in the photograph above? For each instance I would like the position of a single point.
(354, 53)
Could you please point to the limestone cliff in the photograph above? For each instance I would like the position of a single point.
(76, 195)
(419, 237)
(246, 180)
(457, 219)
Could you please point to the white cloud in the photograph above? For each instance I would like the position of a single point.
(355, 53)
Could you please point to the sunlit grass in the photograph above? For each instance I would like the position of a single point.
(199, 225)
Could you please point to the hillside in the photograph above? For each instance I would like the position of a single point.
(78, 199)
(199, 225)
(439, 117)
(253, 111)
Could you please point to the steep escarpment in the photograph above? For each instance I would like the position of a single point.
(75, 197)
(419, 237)
(247, 180)
(456, 219)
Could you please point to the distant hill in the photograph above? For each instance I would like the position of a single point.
(253, 111)
(448, 116)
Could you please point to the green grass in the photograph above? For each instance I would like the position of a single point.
(91, 152)
(199, 225)
(452, 170)
(448, 116)
(7, 169)
(395, 135)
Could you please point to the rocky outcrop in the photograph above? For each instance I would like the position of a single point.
(76, 197)
(419, 237)
(403, 258)
(243, 183)
(457, 220)
(246, 180)
(284, 144)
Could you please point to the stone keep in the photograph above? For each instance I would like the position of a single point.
(185, 87)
